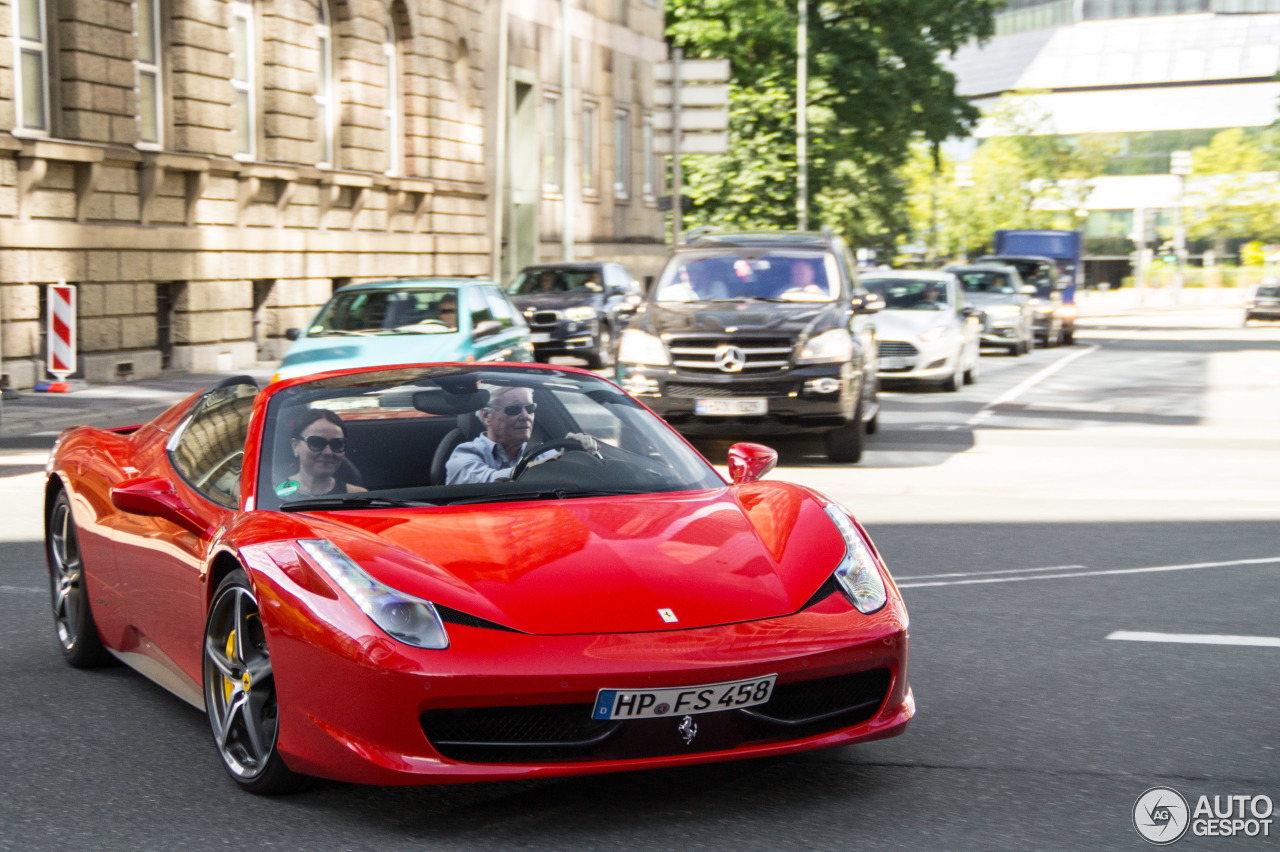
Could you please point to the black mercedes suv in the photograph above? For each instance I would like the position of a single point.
(758, 334)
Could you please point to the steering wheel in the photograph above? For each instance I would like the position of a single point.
(533, 452)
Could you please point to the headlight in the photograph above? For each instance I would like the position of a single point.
(1044, 309)
(858, 575)
(1069, 311)
(834, 346)
(640, 347)
(579, 314)
(933, 333)
(403, 617)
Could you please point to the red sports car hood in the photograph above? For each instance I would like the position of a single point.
(609, 565)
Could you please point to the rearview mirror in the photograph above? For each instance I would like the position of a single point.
(154, 496)
(750, 462)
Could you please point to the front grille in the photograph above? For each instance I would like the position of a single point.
(857, 695)
(729, 390)
(567, 733)
(897, 349)
(761, 354)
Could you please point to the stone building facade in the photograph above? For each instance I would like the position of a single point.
(206, 172)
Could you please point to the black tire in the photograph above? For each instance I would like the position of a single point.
(601, 357)
(845, 443)
(953, 382)
(1015, 350)
(72, 615)
(1069, 337)
(971, 374)
(240, 693)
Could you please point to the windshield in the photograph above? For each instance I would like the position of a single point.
(1269, 292)
(987, 282)
(777, 275)
(385, 438)
(914, 294)
(555, 280)
(421, 309)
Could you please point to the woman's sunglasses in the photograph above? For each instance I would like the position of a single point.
(513, 410)
(317, 444)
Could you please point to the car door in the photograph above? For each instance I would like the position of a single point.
(161, 563)
(862, 325)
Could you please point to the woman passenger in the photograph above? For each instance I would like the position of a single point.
(319, 444)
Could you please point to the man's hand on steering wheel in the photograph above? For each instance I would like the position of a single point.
(573, 441)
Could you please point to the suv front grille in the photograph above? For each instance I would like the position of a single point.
(761, 354)
(543, 317)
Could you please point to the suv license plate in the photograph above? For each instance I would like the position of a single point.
(731, 407)
(682, 700)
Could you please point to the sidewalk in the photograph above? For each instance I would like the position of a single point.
(1091, 303)
(123, 404)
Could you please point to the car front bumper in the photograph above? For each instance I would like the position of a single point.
(901, 359)
(358, 706)
(802, 399)
(565, 337)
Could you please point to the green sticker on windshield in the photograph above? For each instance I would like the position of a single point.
(287, 488)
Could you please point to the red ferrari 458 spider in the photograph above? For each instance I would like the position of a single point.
(440, 573)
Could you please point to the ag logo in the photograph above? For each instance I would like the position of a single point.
(1161, 815)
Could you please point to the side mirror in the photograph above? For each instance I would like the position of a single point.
(292, 333)
(750, 462)
(871, 303)
(153, 496)
(486, 328)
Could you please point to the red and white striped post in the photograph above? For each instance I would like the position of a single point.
(62, 329)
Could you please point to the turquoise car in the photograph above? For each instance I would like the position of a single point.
(409, 321)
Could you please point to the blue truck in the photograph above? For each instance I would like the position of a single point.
(1066, 250)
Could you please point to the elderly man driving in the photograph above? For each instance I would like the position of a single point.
(508, 422)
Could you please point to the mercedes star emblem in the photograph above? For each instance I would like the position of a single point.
(730, 359)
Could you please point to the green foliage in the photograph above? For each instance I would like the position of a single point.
(875, 84)
(1024, 176)
(1231, 193)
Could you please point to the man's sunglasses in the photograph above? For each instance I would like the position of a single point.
(447, 310)
(513, 410)
(317, 444)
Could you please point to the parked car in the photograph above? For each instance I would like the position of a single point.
(576, 308)
(758, 334)
(1051, 313)
(927, 329)
(409, 321)
(1263, 303)
(1008, 320)
(626, 608)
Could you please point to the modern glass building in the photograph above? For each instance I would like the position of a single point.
(1152, 76)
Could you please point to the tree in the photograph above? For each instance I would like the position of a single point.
(1024, 175)
(875, 82)
(1232, 193)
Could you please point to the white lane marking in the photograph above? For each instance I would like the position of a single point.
(1026, 384)
(976, 573)
(21, 589)
(1271, 560)
(1196, 638)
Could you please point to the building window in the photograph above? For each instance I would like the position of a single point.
(242, 39)
(150, 114)
(622, 153)
(391, 104)
(32, 47)
(588, 152)
(552, 144)
(325, 112)
(649, 165)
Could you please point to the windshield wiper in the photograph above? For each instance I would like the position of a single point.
(339, 331)
(349, 501)
(512, 496)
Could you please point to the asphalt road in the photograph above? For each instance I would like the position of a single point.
(1052, 528)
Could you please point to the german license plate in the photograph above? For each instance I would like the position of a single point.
(540, 337)
(894, 363)
(682, 700)
(731, 407)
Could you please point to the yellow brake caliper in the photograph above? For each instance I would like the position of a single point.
(229, 685)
